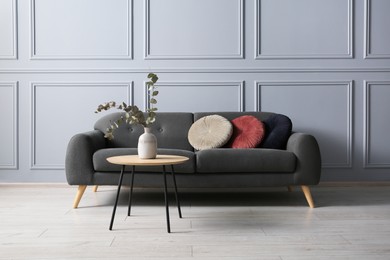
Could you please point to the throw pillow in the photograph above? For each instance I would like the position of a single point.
(209, 132)
(248, 132)
(278, 130)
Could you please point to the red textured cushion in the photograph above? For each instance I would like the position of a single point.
(248, 132)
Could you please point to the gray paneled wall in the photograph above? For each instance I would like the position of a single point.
(324, 63)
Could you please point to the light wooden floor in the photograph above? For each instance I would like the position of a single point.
(351, 222)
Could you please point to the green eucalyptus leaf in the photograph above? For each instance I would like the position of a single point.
(133, 115)
(139, 114)
(109, 136)
(154, 79)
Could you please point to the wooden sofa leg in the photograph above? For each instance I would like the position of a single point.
(95, 188)
(306, 191)
(79, 194)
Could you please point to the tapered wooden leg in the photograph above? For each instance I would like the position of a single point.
(95, 188)
(290, 188)
(306, 191)
(79, 194)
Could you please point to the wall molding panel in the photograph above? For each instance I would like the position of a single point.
(384, 40)
(324, 63)
(9, 153)
(73, 113)
(376, 124)
(8, 32)
(306, 42)
(205, 34)
(340, 109)
(185, 94)
(107, 34)
(203, 70)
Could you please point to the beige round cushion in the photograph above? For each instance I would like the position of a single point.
(210, 132)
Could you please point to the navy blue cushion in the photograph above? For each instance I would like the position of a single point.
(277, 131)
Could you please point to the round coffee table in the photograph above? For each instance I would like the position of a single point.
(134, 160)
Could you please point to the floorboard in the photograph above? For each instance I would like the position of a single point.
(349, 222)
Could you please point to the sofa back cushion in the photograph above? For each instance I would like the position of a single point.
(170, 129)
(232, 115)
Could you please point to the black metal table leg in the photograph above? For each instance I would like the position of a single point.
(117, 196)
(166, 200)
(131, 190)
(176, 193)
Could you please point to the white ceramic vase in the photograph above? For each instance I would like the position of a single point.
(147, 145)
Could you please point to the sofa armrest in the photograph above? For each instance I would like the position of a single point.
(78, 161)
(306, 149)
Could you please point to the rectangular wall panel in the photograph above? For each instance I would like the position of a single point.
(199, 96)
(9, 125)
(60, 58)
(8, 29)
(377, 124)
(194, 29)
(61, 110)
(323, 109)
(303, 29)
(377, 35)
(81, 29)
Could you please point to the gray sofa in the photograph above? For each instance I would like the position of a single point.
(297, 165)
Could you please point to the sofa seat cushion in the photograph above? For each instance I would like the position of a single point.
(102, 165)
(225, 160)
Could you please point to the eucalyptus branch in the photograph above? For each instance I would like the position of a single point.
(133, 115)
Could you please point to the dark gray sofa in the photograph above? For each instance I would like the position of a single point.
(298, 165)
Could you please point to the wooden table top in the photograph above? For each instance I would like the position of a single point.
(159, 160)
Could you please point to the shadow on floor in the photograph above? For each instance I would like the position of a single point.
(323, 197)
